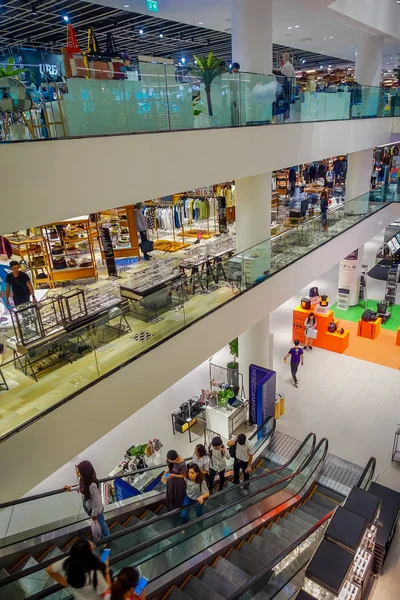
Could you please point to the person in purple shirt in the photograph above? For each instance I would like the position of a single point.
(296, 356)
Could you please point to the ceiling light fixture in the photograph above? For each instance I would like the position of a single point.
(66, 18)
(325, 38)
(201, 23)
(34, 11)
(161, 35)
(290, 27)
(141, 31)
(303, 61)
(296, 26)
(126, 5)
(331, 37)
(183, 60)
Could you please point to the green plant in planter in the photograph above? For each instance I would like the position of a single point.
(208, 68)
(197, 110)
(224, 396)
(10, 71)
(234, 351)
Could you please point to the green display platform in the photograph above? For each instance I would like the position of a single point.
(354, 314)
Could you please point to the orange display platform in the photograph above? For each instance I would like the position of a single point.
(334, 342)
(369, 329)
(398, 337)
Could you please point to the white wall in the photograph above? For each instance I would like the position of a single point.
(43, 447)
(46, 181)
(382, 16)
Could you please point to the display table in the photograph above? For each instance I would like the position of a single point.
(335, 342)
(369, 329)
(224, 421)
(398, 337)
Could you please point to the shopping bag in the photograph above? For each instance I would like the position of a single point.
(147, 246)
(96, 530)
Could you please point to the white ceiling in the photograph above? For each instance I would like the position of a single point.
(319, 30)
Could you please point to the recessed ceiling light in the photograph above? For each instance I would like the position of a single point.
(201, 23)
(161, 35)
(290, 27)
(325, 38)
(296, 26)
(126, 5)
(329, 66)
(331, 37)
(141, 31)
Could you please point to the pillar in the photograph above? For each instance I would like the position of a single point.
(253, 210)
(358, 179)
(350, 274)
(369, 60)
(255, 347)
(252, 35)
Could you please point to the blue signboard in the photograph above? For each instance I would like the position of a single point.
(42, 66)
(262, 394)
(123, 490)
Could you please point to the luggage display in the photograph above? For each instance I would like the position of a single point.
(306, 303)
(332, 327)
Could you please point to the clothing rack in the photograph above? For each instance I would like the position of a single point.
(167, 245)
(194, 232)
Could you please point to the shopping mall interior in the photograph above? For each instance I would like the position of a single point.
(200, 297)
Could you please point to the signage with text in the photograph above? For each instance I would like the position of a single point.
(152, 5)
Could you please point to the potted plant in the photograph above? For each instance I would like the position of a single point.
(233, 367)
(224, 396)
(197, 112)
(208, 68)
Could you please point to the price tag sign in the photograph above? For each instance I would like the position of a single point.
(152, 5)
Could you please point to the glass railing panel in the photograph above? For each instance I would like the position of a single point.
(312, 106)
(255, 97)
(263, 434)
(186, 110)
(366, 102)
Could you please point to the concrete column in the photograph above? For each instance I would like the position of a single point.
(252, 35)
(369, 60)
(358, 179)
(255, 347)
(253, 210)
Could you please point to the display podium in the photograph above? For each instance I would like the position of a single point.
(335, 342)
(369, 329)
(398, 337)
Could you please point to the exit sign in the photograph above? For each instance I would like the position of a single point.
(152, 5)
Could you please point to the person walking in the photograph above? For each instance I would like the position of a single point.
(142, 228)
(83, 572)
(324, 209)
(201, 459)
(310, 325)
(243, 457)
(218, 456)
(175, 478)
(123, 588)
(20, 285)
(296, 356)
(90, 491)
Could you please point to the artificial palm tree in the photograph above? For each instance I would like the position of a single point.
(208, 68)
(10, 71)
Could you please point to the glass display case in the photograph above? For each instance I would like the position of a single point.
(27, 323)
(51, 314)
(105, 294)
(73, 305)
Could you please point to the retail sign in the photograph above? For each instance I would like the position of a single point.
(108, 251)
(262, 394)
(123, 490)
(152, 5)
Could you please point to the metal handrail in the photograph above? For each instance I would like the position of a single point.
(181, 527)
(371, 465)
(113, 478)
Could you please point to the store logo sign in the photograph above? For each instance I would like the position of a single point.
(46, 69)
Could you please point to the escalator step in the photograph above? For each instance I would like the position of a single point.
(162, 510)
(148, 515)
(289, 536)
(225, 568)
(254, 555)
(198, 590)
(271, 538)
(242, 562)
(291, 526)
(265, 546)
(35, 582)
(310, 510)
(58, 595)
(177, 594)
(318, 508)
(297, 520)
(217, 582)
(324, 501)
(330, 493)
(54, 552)
(12, 591)
(299, 512)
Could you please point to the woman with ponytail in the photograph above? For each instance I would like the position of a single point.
(124, 586)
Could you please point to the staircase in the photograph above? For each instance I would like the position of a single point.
(229, 572)
(339, 475)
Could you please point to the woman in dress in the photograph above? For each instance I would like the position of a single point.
(311, 332)
(176, 480)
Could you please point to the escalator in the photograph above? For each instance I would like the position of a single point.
(157, 540)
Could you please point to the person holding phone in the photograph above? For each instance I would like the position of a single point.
(129, 585)
(83, 572)
(175, 480)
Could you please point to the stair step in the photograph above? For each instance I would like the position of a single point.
(162, 510)
(292, 527)
(253, 554)
(233, 574)
(321, 510)
(270, 537)
(242, 562)
(12, 591)
(53, 553)
(177, 594)
(35, 582)
(198, 590)
(324, 501)
(305, 516)
(297, 520)
(217, 582)
(265, 547)
(330, 493)
(148, 515)
(310, 510)
(289, 536)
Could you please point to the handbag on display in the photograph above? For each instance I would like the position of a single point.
(324, 300)
(341, 331)
(306, 303)
(313, 292)
(332, 327)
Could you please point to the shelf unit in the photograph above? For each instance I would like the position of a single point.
(123, 231)
(70, 245)
(343, 299)
(391, 286)
(39, 263)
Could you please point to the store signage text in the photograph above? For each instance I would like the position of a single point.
(152, 5)
(45, 68)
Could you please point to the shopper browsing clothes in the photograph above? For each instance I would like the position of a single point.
(83, 572)
(218, 456)
(310, 325)
(146, 245)
(20, 285)
(296, 356)
(90, 490)
(123, 588)
(201, 459)
(175, 480)
(243, 457)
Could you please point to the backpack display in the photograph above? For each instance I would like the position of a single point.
(306, 303)
(324, 300)
(332, 327)
(313, 292)
(368, 315)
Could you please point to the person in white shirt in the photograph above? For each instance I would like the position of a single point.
(218, 456)
(243, 457)
(201, 459)
(287, 68)
(83, 572)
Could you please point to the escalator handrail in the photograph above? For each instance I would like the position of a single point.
(249, 584)
(370, 463)
(114, 477)
(147, 544)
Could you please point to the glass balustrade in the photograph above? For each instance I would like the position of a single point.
(162, 98)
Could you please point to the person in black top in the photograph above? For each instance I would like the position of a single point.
(324, 209)
(20, 285)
